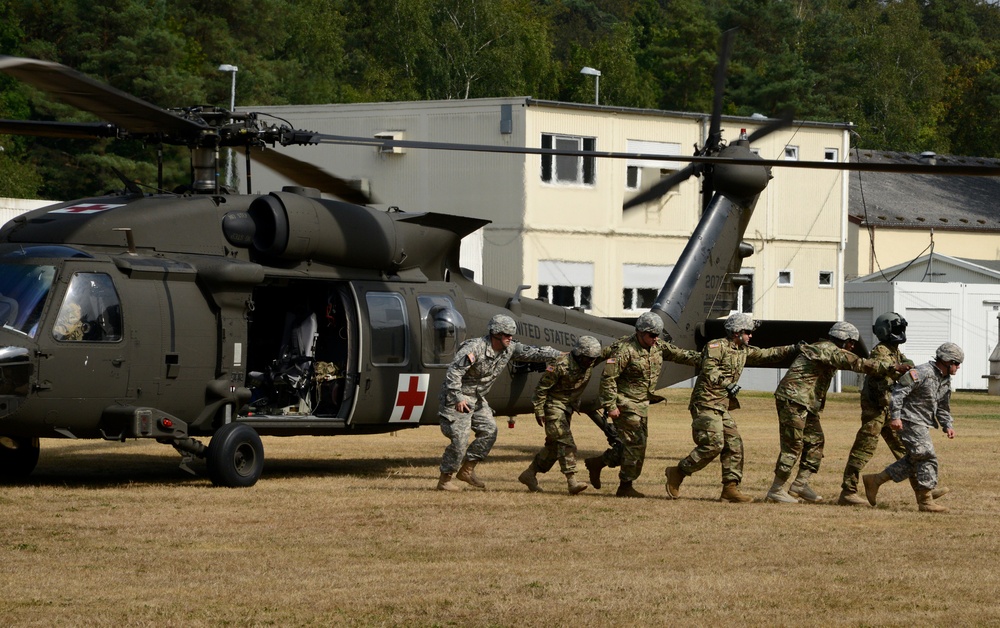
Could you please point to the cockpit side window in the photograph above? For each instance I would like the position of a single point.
(443, 329)
(90, 311)
(24, 288)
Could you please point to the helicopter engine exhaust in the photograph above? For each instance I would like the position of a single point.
(292, 226)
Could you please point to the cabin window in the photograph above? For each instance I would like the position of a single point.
(826, 279)
(387, 322)
(641, 283)
(23, 292)
(568, 169)
(568, 284)
(90, 311)
(443, 329)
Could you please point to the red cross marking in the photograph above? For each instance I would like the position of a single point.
(411, 398)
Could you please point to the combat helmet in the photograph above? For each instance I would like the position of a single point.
(739, 321)
(502, 324)
(950, 352)
(649, 323)
(844, 331)
(890, 327)
(587, 347)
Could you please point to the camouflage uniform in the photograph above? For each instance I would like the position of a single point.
(629, 379)
(712, 427)
(922, 399)
(554, 400)
(874, 417)
(470, 376)
(800, 398)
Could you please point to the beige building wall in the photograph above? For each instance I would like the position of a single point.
(897, 246)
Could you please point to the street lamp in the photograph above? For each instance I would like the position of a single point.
(597, 82)
(225, 67)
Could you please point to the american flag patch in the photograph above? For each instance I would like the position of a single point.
(472, 358)
(612, 361)
(550, 368)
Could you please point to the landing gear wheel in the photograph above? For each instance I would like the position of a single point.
(18, 457)
(235, 456)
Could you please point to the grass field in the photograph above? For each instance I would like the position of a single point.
(348, 531)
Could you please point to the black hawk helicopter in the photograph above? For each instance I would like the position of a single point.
(205, 313)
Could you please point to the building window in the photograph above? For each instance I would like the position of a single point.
(633, 177)
(568, 284)
(655, 169)
(831, 154)
(744, 293)
(784, 278)
(792, 153)
(568, 169)
(641, 283)
(826, 279)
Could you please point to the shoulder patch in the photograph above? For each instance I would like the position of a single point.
(914, 375)
(549, 368)
(612, 361)
(713, 345)
(471, 357)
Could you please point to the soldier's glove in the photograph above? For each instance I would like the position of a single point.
(733, 389)
(799, 345)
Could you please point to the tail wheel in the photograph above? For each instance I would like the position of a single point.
(18, 457)
(235, 456)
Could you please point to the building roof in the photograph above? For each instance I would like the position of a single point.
(938, 268)
(912, 201)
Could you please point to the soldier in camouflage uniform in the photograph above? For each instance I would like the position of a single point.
(463, 406)
(712, 427)
(921, 401)
(890, 329)
(555, 399)
(800, 398)
(627, 384)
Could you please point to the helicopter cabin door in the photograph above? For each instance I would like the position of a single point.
(410, 339)
(84, 355)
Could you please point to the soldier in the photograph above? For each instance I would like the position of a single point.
(627, 384)
(890, 329)
(556, 397)
(921, 400)
(800, 398)
(713, 429)
(463, 404)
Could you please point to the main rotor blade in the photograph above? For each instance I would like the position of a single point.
(308, 175)
(782, 121)
(76, 89)
(71, 130)
(715, 128)
(985, 167)
(663, 186)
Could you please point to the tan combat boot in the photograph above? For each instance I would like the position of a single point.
(800, 488)
(731, 493)
(674, 478)
(528, 478)
(850, 498)
(940, 491)
(594, 466)
(926, 503)
(777, 493)
(872, 482)
(625, 490)
(445, 483)
(573, 486)
(468, 474)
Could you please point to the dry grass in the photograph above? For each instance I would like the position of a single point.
(348, 531)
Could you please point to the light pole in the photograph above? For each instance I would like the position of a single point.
(597, 82)
(225, 67)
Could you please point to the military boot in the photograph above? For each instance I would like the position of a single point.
(777, 493)
(445, 483)
(573, 486)
(468, 474)
(872, 482)
(850, 498)
(674, 478)
(625, 490)
(800, 488)
(731, 493)
(594, 466)
(926, 503)
(935, 493)
(528, 478)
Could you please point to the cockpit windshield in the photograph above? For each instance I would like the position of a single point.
(23, 290)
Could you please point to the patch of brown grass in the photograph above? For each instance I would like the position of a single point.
(349, 531)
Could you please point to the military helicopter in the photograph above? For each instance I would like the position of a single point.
(202, 313)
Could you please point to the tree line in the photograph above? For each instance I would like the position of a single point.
(912, 75)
